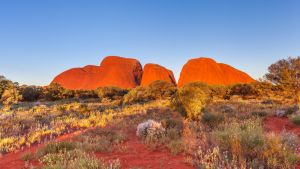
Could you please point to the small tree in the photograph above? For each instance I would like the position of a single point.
(31, 93)
(286, 72)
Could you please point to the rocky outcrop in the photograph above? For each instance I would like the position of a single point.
(154, 72)
(113, 71)
(208, 71)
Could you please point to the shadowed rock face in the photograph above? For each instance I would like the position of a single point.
(208, 71)
(113, 71)
(153, 72)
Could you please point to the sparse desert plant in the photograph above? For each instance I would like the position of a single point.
(295, 119)
(175, 146)
(243, 90)
(111, 93)
(161, 89)
(55, 147)
(151, 132)
(138, 95)
(191, 99)
(212, 118)
(27, 156)
(74, 159)
(259, 113)
(31, 93)
(10, 96)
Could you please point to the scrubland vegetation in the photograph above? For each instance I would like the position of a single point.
(211, 126)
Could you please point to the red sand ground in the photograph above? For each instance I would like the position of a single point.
(278, 124)
(137, 155)
(13, 160)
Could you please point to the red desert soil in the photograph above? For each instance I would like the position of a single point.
(209, 71)
(137, 155)
(153, 72)
(13, 160)
(279, 124)
(113, 71)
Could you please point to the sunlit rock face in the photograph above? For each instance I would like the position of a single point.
(208, 71)
(113, 71)
(154, 72)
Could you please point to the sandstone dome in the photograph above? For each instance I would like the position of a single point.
(208, 71)
(113, 71)
(153, 72)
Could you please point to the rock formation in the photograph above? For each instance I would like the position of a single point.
(208, 71)
(113, 71)
(153, 72)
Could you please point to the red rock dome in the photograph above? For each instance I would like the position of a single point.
(208, 71)
(153, 72)
(120, 72)
(113, 71)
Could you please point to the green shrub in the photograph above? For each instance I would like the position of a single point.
(191, 99)
(55, 147)
(161, 89)
(296, 119)
(111, 93)
(243, 90)
(243, 139)
(138, 95)
(55, 92)
(85, 94)
(11, 96)
(27, 156)
(74, 159)
(175, 146)
(212, 119)
(31, 93)
(259, 113)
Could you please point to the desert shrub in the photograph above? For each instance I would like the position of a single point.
(175, 146)
(161, 89)
(289, 140)
(31, 93)
(243, 90)
(151, 132)
(212, 118)
(220, 92)
(85, 94)
(295, 119)
(291, 110)
(55, 147)
(191, 99)
(247, 141)
(111, 93)
(27, 156)
(99, 141)
(5, 84)
(259, 113)
(74, 159)
(138, 95)
(172, 124)
(10, 96)
(55, 92)
(241, 139)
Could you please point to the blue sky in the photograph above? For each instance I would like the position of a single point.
(39, 39)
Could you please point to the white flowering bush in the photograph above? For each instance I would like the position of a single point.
(150, 129)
